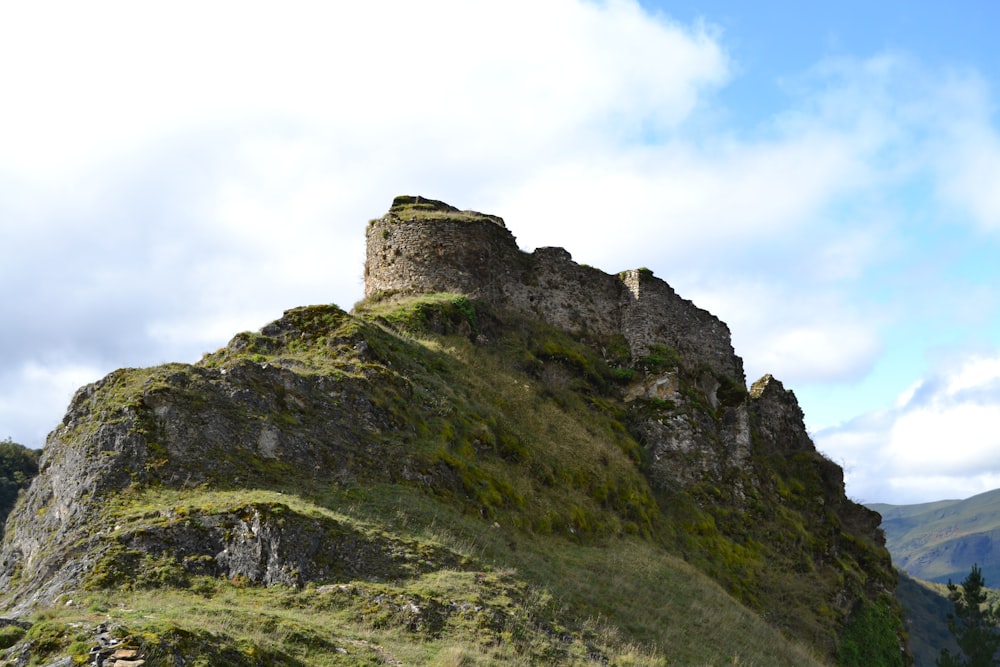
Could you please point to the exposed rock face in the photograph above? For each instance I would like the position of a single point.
(779, 416)
(244, 424)
(59, 501)
(423, 245)
(269, 544)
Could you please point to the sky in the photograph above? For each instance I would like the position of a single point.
(823, 178)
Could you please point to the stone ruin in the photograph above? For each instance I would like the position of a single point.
(425, 246)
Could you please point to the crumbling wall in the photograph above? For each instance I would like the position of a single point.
(652, 313)
(425, 246)
(437, 248)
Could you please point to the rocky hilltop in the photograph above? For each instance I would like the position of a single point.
(493, 450)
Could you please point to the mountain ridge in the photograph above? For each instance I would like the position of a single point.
(427, 473)
(941, 540)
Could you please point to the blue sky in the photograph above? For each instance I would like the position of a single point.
(825, 179)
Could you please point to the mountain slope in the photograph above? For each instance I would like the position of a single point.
(435, 478)
(942, 540)
(925, 610)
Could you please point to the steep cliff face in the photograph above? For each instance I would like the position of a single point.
(531, 404)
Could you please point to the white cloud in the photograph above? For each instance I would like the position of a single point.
(968, 150)
(171, 175)
(668, 200)
(86, 82)
(43, 393)
(956, 438)
(908, 394)
(975, 373)
(798, 335)
(929, 488)
(939, 440)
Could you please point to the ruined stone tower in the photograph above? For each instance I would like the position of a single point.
(424, 246)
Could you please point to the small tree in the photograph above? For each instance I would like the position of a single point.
(974, 624)
(18, 465)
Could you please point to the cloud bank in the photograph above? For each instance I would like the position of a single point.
(939, 440)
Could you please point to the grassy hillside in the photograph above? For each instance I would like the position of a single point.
(933, 543)
(942, 540)
(422, 482)
(476, 594)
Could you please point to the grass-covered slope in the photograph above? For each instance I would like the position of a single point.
(421, 482)
(925, 610)
(457, 592)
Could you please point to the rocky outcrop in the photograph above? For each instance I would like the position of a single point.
(745, 456)
(242, 424)
(265, 543)
(779, 418)
(617, 368)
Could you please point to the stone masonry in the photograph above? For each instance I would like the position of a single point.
(424, 246)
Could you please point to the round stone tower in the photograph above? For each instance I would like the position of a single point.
(424, 246)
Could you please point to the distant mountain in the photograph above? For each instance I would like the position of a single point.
(941, 540)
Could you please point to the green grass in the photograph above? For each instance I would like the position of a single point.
(518, 598)
(549, 465)
(409, 208)
(506, 475)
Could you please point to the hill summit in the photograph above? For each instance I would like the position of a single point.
(495, 457)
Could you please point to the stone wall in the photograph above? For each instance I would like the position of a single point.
(425, 246)
(652, 313)
(565, 294)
